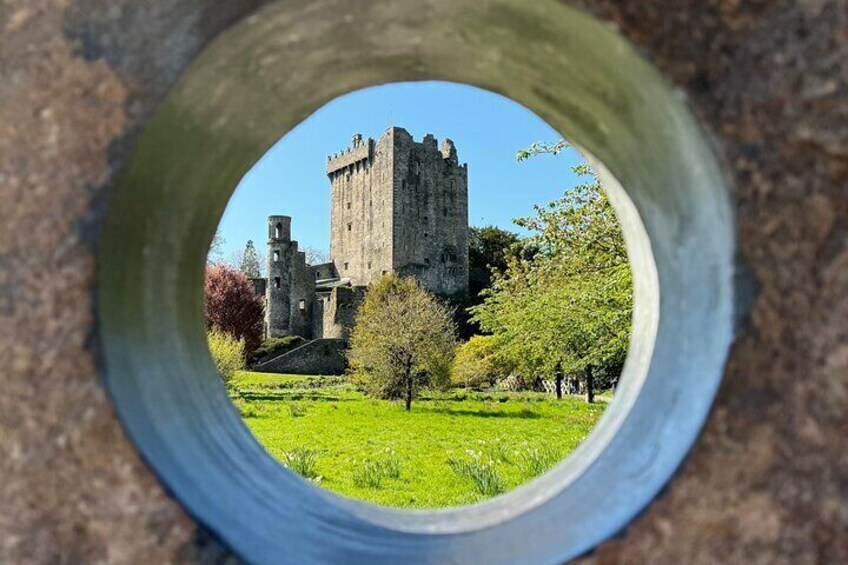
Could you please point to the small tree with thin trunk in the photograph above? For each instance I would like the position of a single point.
(403, 340)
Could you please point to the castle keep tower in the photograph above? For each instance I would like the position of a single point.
(400, 206)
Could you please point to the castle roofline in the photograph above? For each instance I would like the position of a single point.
(356, 152)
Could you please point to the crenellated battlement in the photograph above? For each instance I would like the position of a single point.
(359, 151)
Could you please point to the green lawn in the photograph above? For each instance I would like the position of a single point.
(376, 451)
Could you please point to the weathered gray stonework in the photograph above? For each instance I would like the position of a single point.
(318, 357)
(397, 206)
(400, 206)
(768, 80)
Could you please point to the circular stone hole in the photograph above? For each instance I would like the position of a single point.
(265, 76)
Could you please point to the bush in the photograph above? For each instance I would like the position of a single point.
(477, 363)
(227, 353)
(233, 307)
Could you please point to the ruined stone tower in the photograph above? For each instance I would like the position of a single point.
(290, 289)
(400, 206)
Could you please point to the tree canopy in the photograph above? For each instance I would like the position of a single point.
(566, 307)
(487, 250)
(403, 339)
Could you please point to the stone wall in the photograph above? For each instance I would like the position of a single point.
(768, 81)
(318, 357)
(339, 311)
(430, 237)
(360, 213)
(324, 271)
(400, 206)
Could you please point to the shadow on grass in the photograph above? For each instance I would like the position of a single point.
(484, 413)
(292, 396)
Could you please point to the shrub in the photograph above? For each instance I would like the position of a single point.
(477, 363)
(481, 471)
(233, 307)
(302, 460)
(227, 353)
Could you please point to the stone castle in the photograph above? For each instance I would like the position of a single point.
(398, 206)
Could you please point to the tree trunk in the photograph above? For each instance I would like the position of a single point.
(408, 390)
(559, 386)
(590, 385)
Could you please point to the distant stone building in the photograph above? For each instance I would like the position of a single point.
(398, 206)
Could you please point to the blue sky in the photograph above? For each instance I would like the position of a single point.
(487, 129)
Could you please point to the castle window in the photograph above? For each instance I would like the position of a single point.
(426, 218)
(276, 255)
(369, 264)
(427, 262)
(348, 205)
(276, 282)
(278, 231)
(445, 211)
(349, 226)
(301, 304)
(345, 266)
(426, 234)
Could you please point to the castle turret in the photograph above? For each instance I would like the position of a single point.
(278, 290)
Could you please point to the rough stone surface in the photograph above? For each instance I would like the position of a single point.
(400, 206)
(767, 483)
(318, 357)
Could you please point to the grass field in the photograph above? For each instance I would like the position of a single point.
(453, 448)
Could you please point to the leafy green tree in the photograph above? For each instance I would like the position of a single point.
(403, 340)
(249, 262)
(566, 308)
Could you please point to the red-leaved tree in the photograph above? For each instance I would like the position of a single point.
(233, 307)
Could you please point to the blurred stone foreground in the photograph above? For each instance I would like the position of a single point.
(768, 81)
